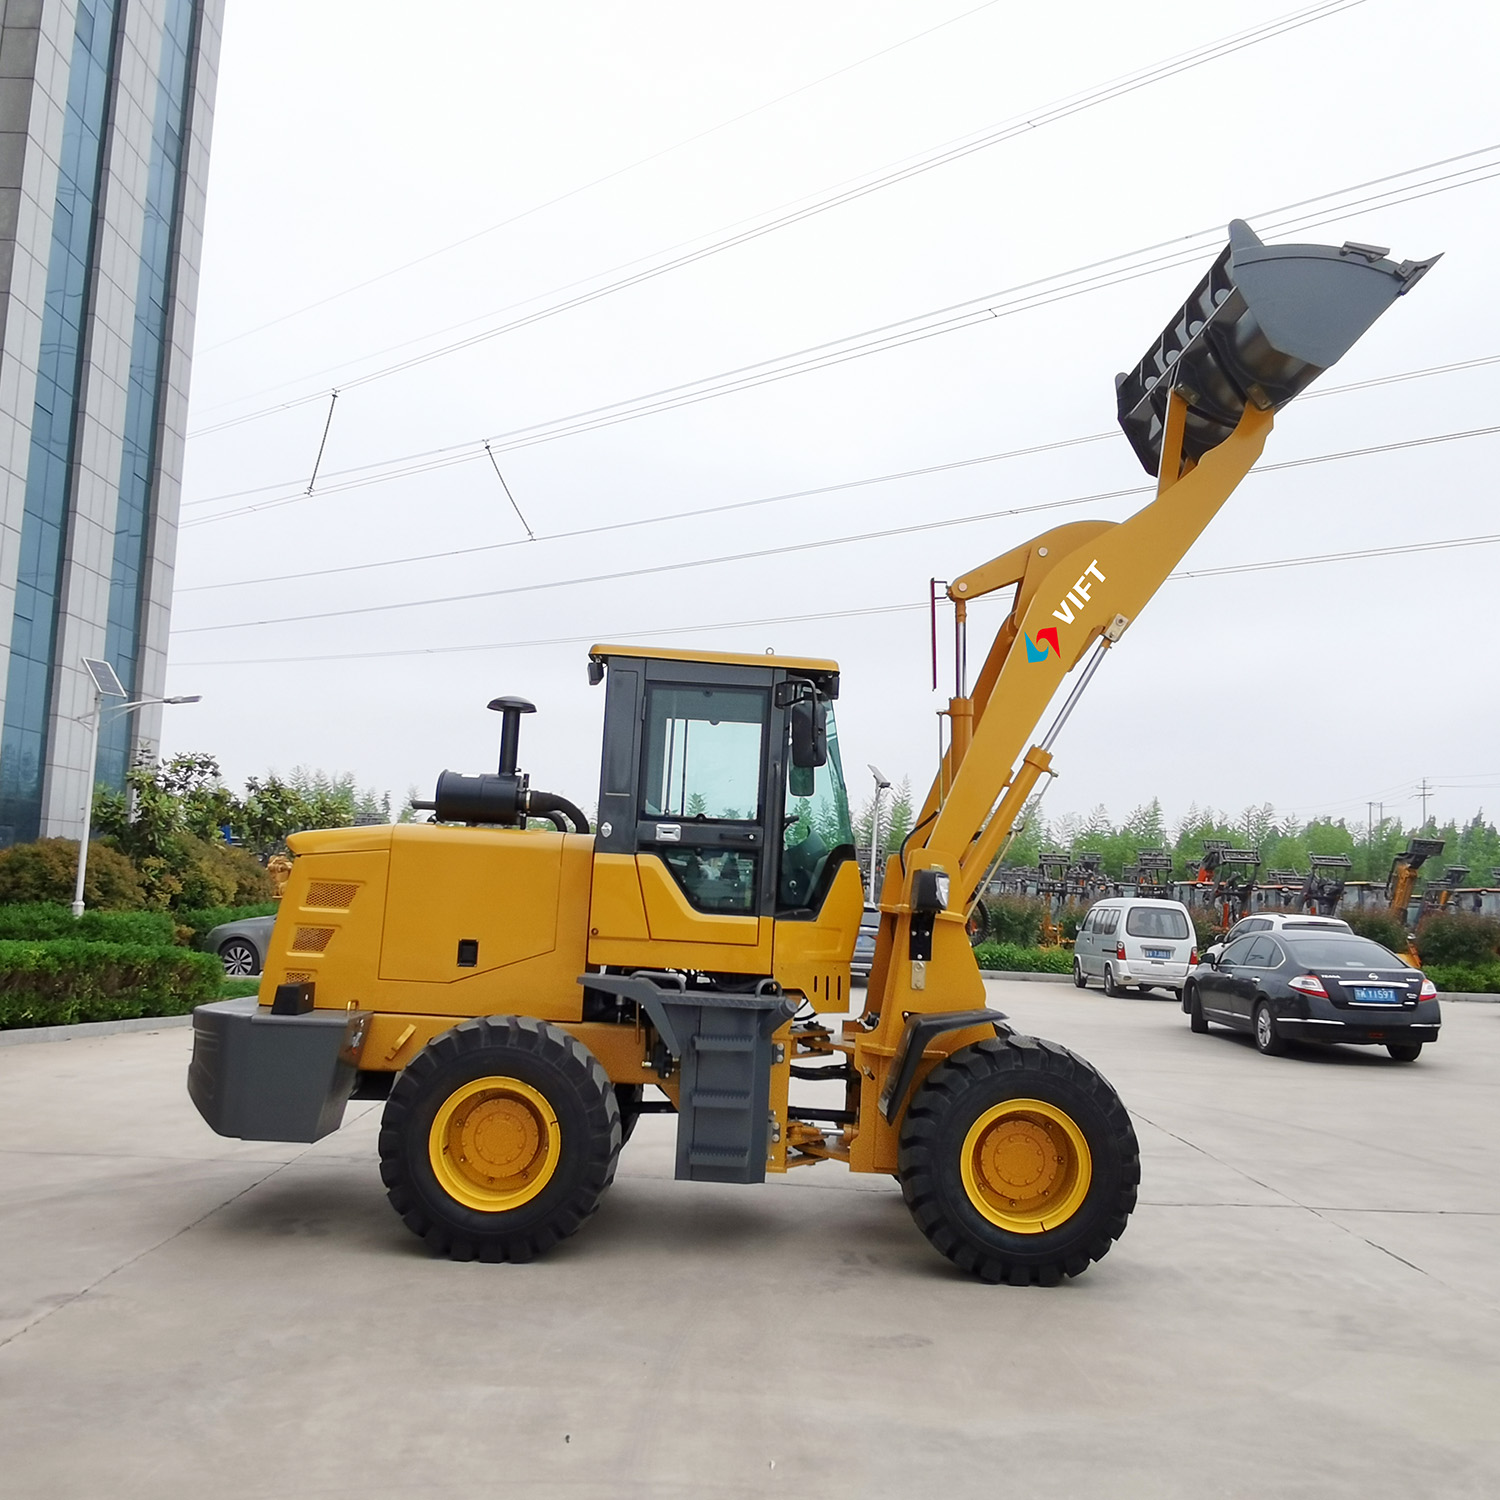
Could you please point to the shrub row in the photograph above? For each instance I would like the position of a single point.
(68, 980)
(41, 921)
(1018, 960)
(1465, 979)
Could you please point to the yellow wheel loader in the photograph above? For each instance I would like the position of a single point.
(520, 997)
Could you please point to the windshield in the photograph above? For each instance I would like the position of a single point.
(1156, 922)
(818, 826)
(1335, 951)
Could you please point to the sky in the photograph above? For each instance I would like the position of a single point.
(383, 190)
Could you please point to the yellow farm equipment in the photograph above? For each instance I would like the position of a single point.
(519, 997)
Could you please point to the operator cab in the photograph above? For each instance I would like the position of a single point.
(725, 769)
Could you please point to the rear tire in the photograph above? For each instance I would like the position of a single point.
(1079, 977)
(1110, 987)
(1268, 1040)
(1404, 1051)
(1197, 1021)
(499, 1139)
(978, 924)
(1006, 1135)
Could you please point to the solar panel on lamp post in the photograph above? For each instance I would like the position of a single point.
(106, 685)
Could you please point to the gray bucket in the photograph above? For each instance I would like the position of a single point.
(1264, 323)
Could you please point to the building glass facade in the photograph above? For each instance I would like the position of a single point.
(54, 427)
(143, 399)
(107, 107)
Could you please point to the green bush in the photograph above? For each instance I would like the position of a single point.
(237, 989)
(1015, 919)
(1017, 960)
(41, 921)
(67, 980)
(48, 870)
(1465, 979)
(198, 924)
(1458, 938)
(1379, 926)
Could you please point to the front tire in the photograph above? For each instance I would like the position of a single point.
(1268, 1040)
(1404, 1051)
(499, 1139)
(1079, 977)
(1019, 1162)
(1197, 1021)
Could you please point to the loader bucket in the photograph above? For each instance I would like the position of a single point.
(1264, 323)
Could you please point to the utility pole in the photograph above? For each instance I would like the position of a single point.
(1424, 792)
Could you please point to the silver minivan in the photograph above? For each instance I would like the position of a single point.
(1134, 940)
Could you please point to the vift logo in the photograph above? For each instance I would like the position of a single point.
(1073, 603)
(1047, 637)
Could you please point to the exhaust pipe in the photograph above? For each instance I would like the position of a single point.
(1264, 323)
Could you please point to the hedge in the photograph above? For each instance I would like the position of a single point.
(201, 922)
(1465, 979)
(1024, 960)
(41, 921)
(68, 980)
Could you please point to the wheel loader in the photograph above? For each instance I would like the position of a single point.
(520, 996)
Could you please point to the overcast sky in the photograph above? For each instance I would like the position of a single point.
(381, 188)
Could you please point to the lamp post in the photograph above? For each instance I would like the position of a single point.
(881, 785)
(106, 685)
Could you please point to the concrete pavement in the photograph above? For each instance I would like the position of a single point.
(1306, 1303)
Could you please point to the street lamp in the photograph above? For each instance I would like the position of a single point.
(881, 785)
(106, 685)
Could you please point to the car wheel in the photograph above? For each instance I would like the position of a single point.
(1267, 1039)
(239, 958)
(1404, 1051)
(1110, 987)
(1197, 1021)
(1079, 977)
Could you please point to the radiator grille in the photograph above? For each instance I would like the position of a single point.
(312, 939)
(299, 976)
(332, 895)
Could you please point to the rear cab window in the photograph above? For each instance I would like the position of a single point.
(1156, 922)
(1337, 950)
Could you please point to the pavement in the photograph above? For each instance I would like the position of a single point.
(1306, 1303)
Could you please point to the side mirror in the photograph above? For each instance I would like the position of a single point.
(809, 734)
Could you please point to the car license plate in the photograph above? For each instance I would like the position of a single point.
(1367, 996)
(1158, 953)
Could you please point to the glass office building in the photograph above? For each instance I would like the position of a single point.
(105, 112)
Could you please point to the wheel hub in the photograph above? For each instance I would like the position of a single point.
(494, 1144)
(1026, 1166)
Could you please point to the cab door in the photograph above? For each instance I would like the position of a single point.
(1216, 986)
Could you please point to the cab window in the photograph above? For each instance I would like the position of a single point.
(703, 753)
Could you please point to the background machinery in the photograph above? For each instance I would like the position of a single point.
(1323, 888)
(1226, 881)
(513, 994)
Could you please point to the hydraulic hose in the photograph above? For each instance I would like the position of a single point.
(544, 804)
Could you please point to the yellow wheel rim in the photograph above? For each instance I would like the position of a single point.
(1026, 1166)
(494, 1144)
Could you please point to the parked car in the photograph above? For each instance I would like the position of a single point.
(1276, 921)
(241, 946)
(1312, 986)
(864, 943)
(1134, 940)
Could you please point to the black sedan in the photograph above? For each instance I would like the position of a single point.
(1315, 987)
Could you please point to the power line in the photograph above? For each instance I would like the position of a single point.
(840, 614)
(701, 511)
(760, 554)
(913, 167)
(1165, 255)
(574, 192)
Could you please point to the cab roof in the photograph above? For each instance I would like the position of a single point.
(813, 665)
